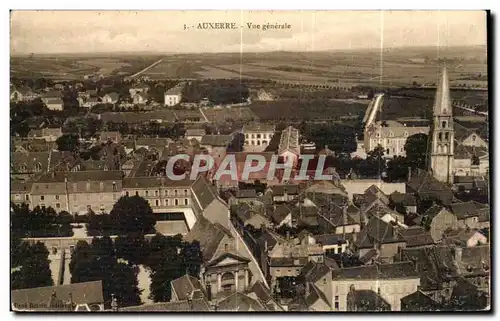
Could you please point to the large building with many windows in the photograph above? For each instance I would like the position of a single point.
(258, 136)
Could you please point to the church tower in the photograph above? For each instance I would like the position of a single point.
(443, 135)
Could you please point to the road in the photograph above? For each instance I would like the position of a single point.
(145, 69)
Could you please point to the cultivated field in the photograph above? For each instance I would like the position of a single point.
(390, 68)
(75, 67)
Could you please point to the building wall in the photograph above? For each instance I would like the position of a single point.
(442, 167)
(348, 229)
(462, 167)
(358, 186)
(258, 140)
(471, 222)
(474, 140)
(441, 222)
(172, 100)
(391, 290)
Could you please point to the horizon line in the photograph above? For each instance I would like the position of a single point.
(248, 52)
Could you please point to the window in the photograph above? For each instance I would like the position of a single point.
(114, 187)
(447, 136)
(17, 197)
(336, 305)
(185, 192)
(157, 202)
(27, 197)
(175, 192)
(166, 202)
(42, 198)
(57, 197)
(324, 281)
(54, 250)
(147, 193)
(473, 138)
(406, 134)
(58, 205)
(443, 124)
(388, 151)
(258, 143)
(258, 136)
(71, 249)
(157, 193)
(186, 202)
(176, 202)
(126, 194)
(391, 134)
(440, 136)
(253, 135)
(136, 193)
(226, 247)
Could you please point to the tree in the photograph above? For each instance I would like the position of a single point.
(33, 268)
(68, 142)
(168, 269)
(416, 150)
(397, 169)
(98, 262)
(133, 249)
(133, 215)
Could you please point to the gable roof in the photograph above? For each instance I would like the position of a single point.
(422, 182)
(468, 209)
(78, 293)
(200, 304)
(185, 286)
(240, 302)
(209, 235)
(417, 301)
(223, 256)
(204, 193)
(315, 294)
(378, 231)
(280, 213)
(377, 271)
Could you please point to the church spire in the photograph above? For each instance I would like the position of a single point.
(442, 102)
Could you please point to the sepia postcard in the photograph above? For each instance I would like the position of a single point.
(249, 161)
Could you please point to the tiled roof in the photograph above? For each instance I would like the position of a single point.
(185, 285)
(368, 300)
(280, 213)
(258, 128)
(174, 306)
(194, 132)
(379, 231)
(405, 199)
(79, 293)
(377, 271)
(240, 302)
(216, 140)
(423, 182)
(209, 235)
(154, 182)
(417, 301)
(467, 209)
(246, 193)
(289, 141)
(204, 193)
(315, 294)
(20, 186)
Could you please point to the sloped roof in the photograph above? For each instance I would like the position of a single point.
(379, 231)
(185, 285)
(442, 101)
(423, 182)
(377, 271)
(315, 294)
(197, 305)
(240, 302)
(79, 293)
(280, 213)
(216, 140)
(209, 235)
(368, 300)
(417, 301)
(467, 209)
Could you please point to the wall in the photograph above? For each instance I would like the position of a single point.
(391, 290)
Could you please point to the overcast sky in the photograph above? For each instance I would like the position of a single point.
(162, 31)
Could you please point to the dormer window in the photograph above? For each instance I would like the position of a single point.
(406, 134)
(473, 138)
(443, 124)
(391, 134)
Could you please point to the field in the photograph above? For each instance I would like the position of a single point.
(390, 68)
(76, 67)
(220, 115)
(396, 67)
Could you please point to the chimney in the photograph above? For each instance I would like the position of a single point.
(409, 173)
(114, 303)
(208, 287)
(190, 300)
(458, 254)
